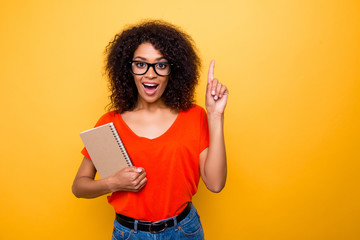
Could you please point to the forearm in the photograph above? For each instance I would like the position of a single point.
(215, 167)
(86, 187)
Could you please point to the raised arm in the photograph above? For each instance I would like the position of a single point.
(213, 167)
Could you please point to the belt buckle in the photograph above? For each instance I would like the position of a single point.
(157, 223)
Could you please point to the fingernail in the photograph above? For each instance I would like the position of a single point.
(139, 170)
(216, 97)
(213, 92)
(219, 95)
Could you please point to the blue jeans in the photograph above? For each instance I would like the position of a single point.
(189, 228)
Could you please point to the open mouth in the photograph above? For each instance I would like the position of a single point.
(150, 86)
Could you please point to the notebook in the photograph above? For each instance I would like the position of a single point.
(106, 149)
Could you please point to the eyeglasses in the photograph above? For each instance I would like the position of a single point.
(160, 68)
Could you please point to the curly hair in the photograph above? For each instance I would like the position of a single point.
(175, 45)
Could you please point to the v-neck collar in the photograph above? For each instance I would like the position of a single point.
(163, 135)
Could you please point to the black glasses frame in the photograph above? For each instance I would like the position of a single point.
(148, 66)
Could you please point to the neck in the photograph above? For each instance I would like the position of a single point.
(150, 106)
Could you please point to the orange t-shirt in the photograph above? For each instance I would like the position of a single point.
(171, 163)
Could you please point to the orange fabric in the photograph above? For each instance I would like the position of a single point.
(171, 162)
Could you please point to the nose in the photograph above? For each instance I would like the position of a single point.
(151, 72)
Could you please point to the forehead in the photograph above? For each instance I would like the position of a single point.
(147, 51)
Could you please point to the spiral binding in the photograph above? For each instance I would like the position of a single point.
(121, 145)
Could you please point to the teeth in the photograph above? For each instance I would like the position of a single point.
(149, 84)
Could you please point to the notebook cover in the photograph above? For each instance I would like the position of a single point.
(105, 150)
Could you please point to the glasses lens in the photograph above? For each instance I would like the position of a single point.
(139, 67)
(163, 68)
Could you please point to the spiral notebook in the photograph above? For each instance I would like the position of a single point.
(106, 149)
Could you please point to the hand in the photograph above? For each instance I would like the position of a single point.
(131, 179)
(216, 93)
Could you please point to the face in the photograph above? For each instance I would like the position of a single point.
(150, 86)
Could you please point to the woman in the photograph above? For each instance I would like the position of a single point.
(153, 69)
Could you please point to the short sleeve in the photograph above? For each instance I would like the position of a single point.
(204, 131)
(106, 118)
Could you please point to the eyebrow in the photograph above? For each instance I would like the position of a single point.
(144, 59)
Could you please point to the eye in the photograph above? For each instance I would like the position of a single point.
(140, 65)
(162, 65)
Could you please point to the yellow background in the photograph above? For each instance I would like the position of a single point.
(292, 121)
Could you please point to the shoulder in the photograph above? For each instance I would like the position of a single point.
(195, 120)
(107, 117)
(196, 109)
(195, 112)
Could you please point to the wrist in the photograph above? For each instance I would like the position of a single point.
(110, 184)
(215, 115)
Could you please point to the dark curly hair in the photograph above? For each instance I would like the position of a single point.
(175, 45)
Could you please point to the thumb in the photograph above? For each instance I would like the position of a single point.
(138, 169)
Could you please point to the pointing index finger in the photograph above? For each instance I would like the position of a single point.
(211, 71)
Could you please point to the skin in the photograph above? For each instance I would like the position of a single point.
(213, 167)
(151, 118)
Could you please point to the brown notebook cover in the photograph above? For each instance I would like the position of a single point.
(106, 149)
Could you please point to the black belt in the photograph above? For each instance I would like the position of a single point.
(153, 227)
